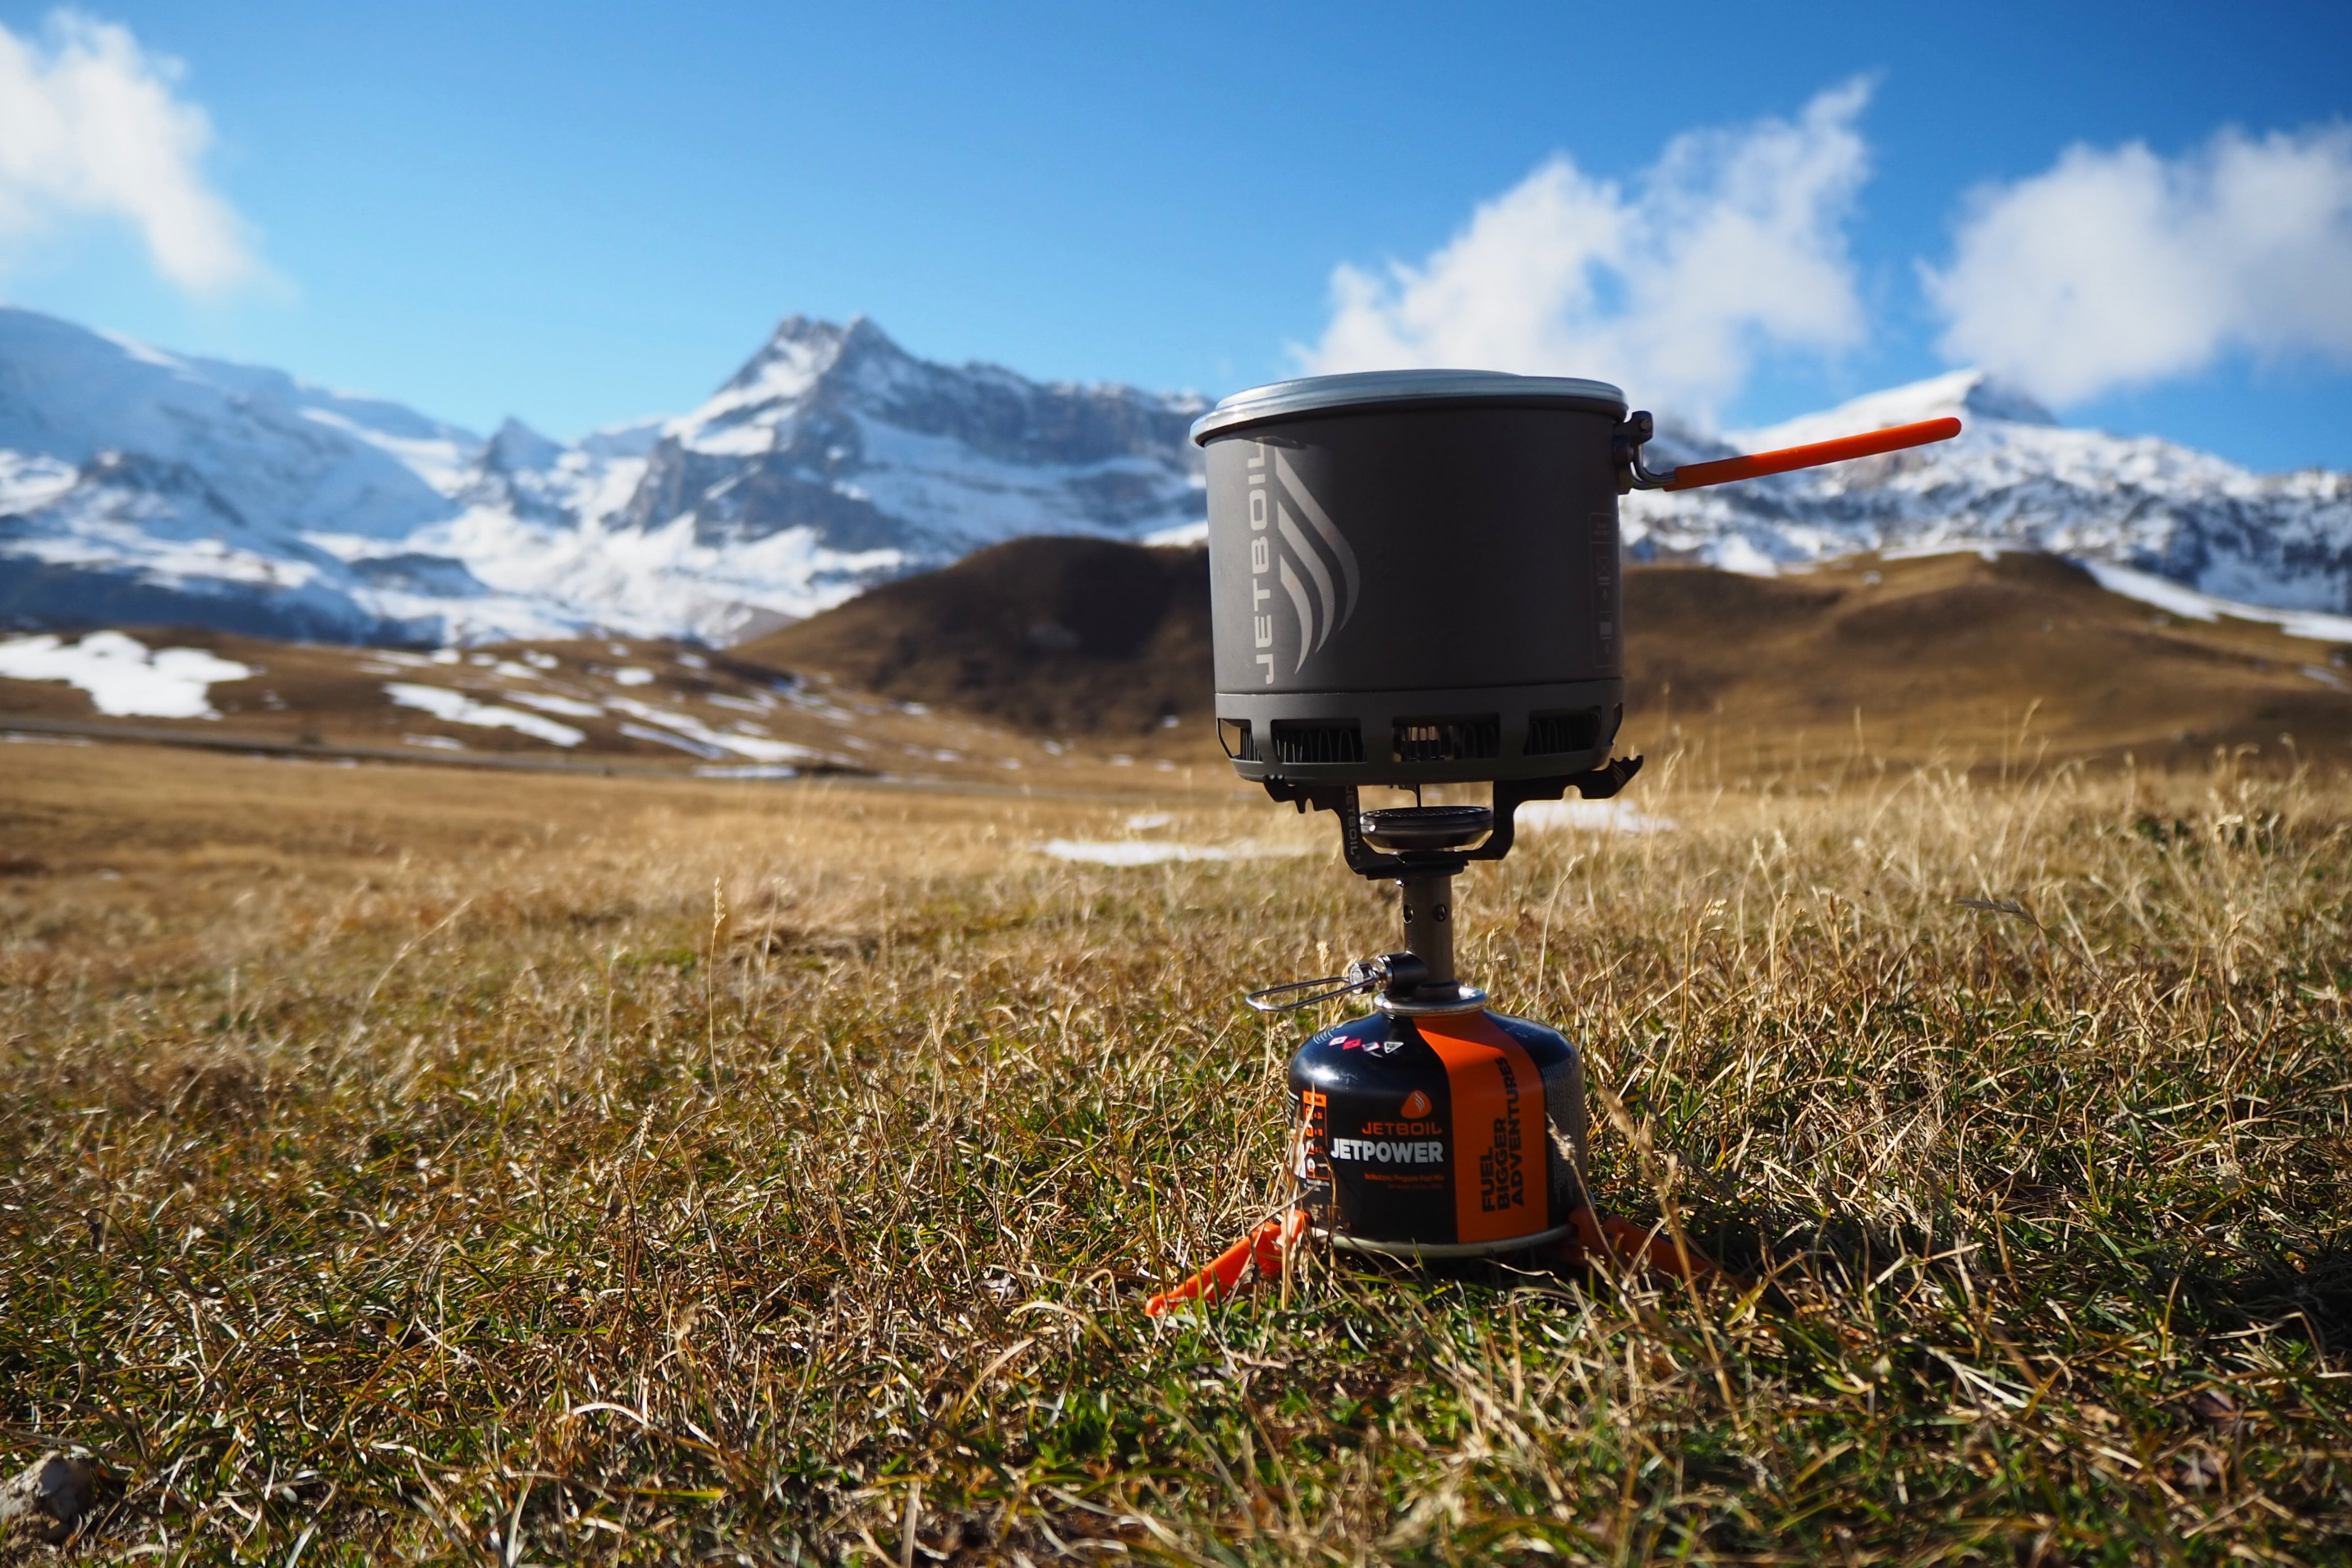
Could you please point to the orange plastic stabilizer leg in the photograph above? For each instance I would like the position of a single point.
(1603, 1237)
(1263, 1247)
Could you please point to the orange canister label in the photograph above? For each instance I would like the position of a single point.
(1500, 1187)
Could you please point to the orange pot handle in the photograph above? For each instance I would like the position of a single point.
(1755, 465)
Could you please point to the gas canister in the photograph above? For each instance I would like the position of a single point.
(1438, 1134)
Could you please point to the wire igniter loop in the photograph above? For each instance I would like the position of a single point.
(1363, 975)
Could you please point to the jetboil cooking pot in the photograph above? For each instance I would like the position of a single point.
(1415, 575)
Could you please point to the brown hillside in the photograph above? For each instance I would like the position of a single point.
(1949, 653)
(1063, 636)
(1944, 655)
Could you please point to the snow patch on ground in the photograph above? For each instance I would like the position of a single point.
(122, 677)
(1589, 817)
(1146, 852)
(457, 707)
(1737, 556)
(665, 737)
(570, 707)
(2191, 605)
(706, 741)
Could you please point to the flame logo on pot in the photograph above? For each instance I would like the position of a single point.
(1323, 605)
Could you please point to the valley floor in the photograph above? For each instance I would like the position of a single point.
(411, 1164)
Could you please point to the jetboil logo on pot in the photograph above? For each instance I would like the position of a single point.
(1283, 551)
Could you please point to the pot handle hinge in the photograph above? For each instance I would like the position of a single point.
(1627, 450)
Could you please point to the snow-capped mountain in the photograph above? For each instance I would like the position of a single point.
(142, 487)
(137, 485)
(832, 460)
(2014, 476)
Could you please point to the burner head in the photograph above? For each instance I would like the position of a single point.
(1427, 827)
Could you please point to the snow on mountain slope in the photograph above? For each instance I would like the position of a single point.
(138, 486)
(141, 486)
(979, 452)
(286, 456)
(832, 460)
(2015, 478)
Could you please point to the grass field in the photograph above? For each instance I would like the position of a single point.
(400, 1165)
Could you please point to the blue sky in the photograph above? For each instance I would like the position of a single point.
(586, 212)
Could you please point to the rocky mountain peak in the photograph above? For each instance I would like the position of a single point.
(1990, 397)
(1971, 396)
(806, 350)
(517, 448)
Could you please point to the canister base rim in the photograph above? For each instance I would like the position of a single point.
(1416, 1250)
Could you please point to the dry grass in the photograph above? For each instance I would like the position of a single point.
(397, 1166)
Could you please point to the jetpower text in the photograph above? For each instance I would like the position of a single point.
(1386, 1152)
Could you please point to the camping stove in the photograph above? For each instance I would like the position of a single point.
(1415, 580)
(1432, 1127)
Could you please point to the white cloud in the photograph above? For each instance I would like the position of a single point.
(92, 124)
(1733, 243)
(2117, 268)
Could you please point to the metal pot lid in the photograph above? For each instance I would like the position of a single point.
(1319, 394)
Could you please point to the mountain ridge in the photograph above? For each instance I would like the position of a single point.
(2015, 478)
(137, 484)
